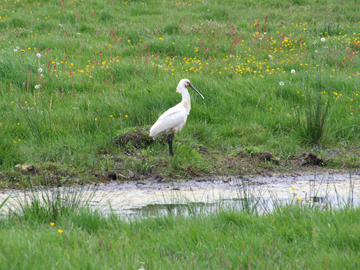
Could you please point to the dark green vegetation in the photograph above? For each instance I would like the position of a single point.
(63, 234)
(109, 66)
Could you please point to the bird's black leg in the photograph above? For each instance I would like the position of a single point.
(170, 141)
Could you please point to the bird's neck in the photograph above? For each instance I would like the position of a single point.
(186, 100)
(185, 96)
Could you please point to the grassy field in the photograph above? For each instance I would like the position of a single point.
(64, 235)
(79, 79)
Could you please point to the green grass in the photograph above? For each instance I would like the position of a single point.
(112, 65)
(294, 236)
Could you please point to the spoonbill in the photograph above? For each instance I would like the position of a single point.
(174, 118)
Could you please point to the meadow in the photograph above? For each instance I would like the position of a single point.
(81, 82)
(76, 77)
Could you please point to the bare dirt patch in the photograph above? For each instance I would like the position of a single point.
(136, 138)
(266, 156)
(312, 159)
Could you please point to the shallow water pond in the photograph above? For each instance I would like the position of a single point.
(260, 194)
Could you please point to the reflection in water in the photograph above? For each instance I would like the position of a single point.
(252, 205)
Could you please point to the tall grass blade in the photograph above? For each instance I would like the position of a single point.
(4, 202)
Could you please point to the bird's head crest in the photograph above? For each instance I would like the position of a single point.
(182, 85)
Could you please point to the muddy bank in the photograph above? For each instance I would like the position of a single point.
(137, 165)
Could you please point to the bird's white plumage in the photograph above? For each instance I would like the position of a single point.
(170, 121)
(174, 118)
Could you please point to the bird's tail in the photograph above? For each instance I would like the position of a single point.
(153, 131)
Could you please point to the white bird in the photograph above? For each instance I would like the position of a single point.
(174, 118)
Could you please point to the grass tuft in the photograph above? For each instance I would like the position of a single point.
(313, 115)
(50, 205)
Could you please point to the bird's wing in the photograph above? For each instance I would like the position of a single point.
(174, 118)
(176, 109)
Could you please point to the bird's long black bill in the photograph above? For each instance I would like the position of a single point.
(196, 91)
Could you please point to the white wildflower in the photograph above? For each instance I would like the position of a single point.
(281, 83)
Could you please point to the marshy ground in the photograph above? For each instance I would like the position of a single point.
(82, 81)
